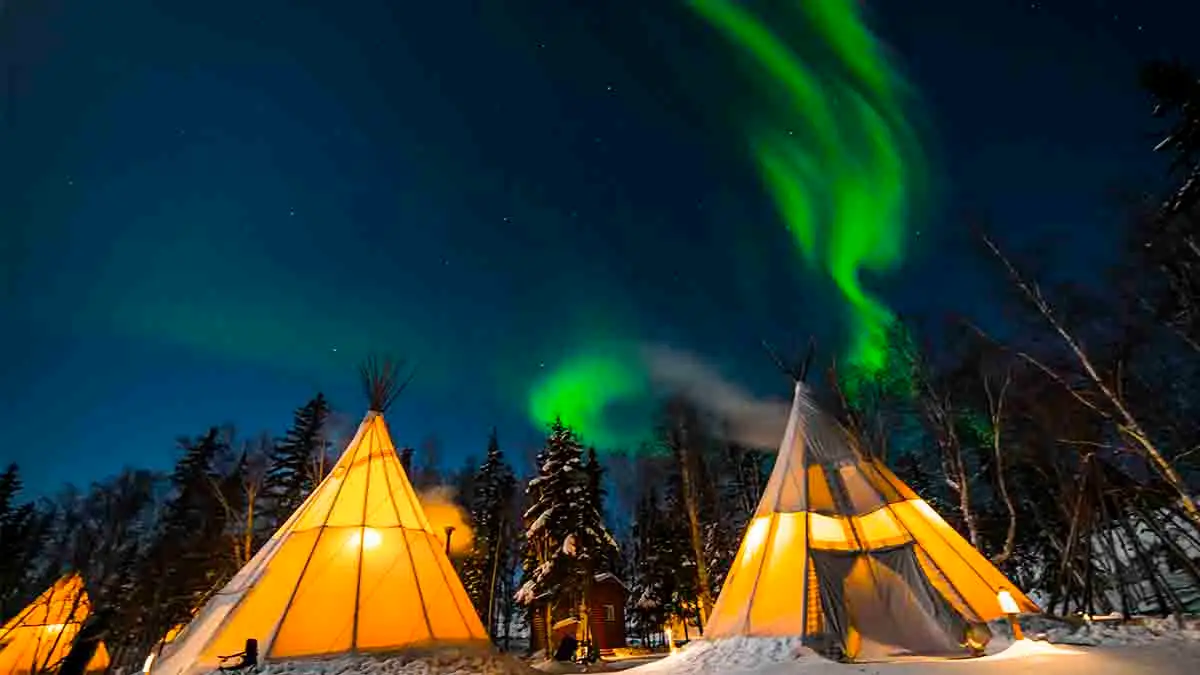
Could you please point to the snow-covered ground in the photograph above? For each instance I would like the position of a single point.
(440, 662)
(1159, 647)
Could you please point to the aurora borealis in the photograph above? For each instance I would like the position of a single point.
(208, 214)
(830, 134)
(838, 154)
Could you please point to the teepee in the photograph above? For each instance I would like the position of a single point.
(357, 568)
(39, 638)
(843, 554)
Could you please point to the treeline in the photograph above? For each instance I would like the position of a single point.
(151, 546)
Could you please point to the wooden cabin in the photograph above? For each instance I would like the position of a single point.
(606, 607)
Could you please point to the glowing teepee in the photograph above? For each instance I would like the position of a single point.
(357, 568)
(39, 638)
(845, 555)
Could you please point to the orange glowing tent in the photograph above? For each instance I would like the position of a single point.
(842, 553)
(39, 638)
(357, 568)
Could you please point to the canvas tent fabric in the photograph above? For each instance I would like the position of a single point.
(357, 568)
(40, 636)
(842, 553)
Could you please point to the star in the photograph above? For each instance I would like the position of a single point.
(291, 212)
(610, 87)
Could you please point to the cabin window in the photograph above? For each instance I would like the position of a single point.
(610, 613)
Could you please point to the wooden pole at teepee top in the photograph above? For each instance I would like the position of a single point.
(796, 369)
(383, 381)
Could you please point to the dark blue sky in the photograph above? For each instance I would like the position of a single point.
(210, 210)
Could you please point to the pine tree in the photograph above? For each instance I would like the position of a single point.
(494, 487)
(678, 556)
(191, 555)
(296, 464)
(600, 550)
(546, 563)
(22, 538)
(684, 436)
(565, 535)
(650, 587)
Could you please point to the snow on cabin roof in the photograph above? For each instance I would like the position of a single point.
(608, 576)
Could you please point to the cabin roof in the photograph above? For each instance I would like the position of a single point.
(609, 576)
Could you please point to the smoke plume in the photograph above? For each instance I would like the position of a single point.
(442, 512)
(751, 421)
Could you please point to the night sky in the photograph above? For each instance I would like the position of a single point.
(211, 210)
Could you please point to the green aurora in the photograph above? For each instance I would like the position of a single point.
(837, 153)
(582, 389)
(828, 130)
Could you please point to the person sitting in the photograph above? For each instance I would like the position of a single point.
(566, 649)
(249, 658)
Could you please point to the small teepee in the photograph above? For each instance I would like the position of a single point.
(356, 569)
(845, 555)
(39, 638)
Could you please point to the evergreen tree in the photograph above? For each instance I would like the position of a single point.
(677, 555)
(595, 481)
(683, 434)
(296, 464)
(494, 487)
(651, 585)
(191, 553)
(22, 538)
(565, 535)
(600, 549)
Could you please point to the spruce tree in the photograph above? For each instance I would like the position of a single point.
(22, 538)
(677, 556)
(191, 553)
(494, 487)
(565, 534)
(599, 550)
(548, 556)
(295, 464)
(649, 587)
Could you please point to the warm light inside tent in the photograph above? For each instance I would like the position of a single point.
(149, 662)
(370, 538)
(54, 627)
(1007, 604)
(756, 536)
